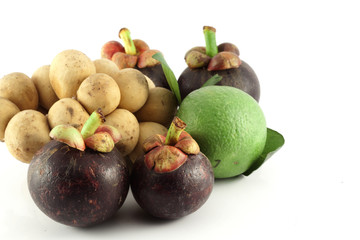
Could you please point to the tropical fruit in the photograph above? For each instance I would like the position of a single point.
(228, 125)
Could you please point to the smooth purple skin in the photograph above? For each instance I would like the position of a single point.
(78, 188)
(173, 194)
(156, 74)
(242, 77)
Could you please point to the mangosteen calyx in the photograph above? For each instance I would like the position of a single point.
(140, 50)
(94, 134)
(174, 178)
(138, 55)
(205, 62)
(166, 154)
(224, 56)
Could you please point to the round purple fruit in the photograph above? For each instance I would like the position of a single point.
(174, 178)
(222, 60)
(75, 185)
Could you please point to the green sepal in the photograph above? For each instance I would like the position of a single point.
(212, 81)
(274, 141)
(170, 76)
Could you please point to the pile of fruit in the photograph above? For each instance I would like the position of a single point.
(90, 130)
(71, 88)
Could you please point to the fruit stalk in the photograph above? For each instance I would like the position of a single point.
(94, 121)
(129, 45)
(210, 40)
(176, 128)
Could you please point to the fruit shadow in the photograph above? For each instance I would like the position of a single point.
(128, 218)
(226, 181)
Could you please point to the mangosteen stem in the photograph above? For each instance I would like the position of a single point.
(210, 40)
(129, 45)
(175, 129)
(94, 121)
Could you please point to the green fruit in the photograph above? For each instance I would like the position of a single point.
(228, 125)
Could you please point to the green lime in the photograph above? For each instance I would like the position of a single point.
(228, 125)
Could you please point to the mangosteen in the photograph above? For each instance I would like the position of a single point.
(205, 62)
(135, 54)
(79, 179)
(155, 73)
(173, 179)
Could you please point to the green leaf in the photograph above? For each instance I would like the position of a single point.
(212, 81)
(274, 141)
(170, 77)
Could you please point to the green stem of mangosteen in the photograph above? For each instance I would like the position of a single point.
(210, 40)
(129, 45)
(175, 129)
(93, 122)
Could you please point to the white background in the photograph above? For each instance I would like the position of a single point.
(307, 57)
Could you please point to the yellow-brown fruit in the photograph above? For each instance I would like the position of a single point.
(7, 110)
(67, 111)
(67, 71)
(160, 107)
(19, 89)
(134, 88)
(99, 90)
(26, 133)
(47, 96)
(128, 126)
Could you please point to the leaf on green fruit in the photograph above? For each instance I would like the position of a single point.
(212, 81)
(170, 76)
(274, 141)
